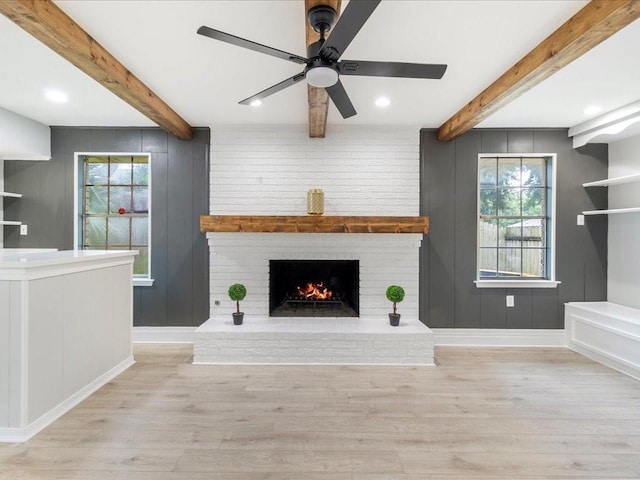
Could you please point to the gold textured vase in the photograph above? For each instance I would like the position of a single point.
(315, 201)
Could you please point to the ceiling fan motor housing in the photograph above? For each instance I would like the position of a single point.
(322, 18)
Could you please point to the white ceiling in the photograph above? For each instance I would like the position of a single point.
(203, 79)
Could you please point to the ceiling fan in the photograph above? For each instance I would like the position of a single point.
(322, 65)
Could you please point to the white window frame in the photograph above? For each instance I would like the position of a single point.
(78, 173)
(549, 282)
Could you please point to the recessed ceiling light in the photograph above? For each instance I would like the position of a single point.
(382, 102)
(256, 103)
(592, 110)
(56, 96)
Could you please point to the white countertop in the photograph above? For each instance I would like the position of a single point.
(12, 260)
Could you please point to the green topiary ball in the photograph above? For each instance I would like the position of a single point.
(395, 293)
(237, 292)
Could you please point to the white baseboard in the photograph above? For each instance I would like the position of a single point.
(14, 435)
(608, 359)
(163, 334)
(492, 337)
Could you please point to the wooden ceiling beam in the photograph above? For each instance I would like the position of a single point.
(318, 98)
(596, 22)
(44, 20)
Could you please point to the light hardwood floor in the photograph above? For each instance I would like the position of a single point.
(483, 413)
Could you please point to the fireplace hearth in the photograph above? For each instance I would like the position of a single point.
(314, 288)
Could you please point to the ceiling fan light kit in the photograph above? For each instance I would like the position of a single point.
(323, 66)
(321, 76)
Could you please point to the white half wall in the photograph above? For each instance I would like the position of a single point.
(623, 272)
(22, 138)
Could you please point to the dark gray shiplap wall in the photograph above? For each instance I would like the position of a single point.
(180, 194)
(448, 296)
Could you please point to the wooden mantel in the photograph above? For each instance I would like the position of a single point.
(312, 224)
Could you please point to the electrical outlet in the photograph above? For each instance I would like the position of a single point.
(24, 229)
(510, 301)
(580, 219)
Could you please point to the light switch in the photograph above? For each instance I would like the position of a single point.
(510, 301)
(580, 219)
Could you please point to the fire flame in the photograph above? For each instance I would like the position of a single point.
(314, 291)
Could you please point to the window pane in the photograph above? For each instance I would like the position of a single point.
(141, 174)
(120, 173)
(533, 262)
(509, 201)
(120, 198)
(509, 262)
(533, 201)
(513, 203)
(488, 172)
(488, 233)
(141, 262)
(97, 173)
(96, 201)
(509, 172)
(96, 231)
(118, 231)
(510, 233)
(104, 225)
(139, 231)
(141, 199)
(487, 262)
(488, 201)
(534, 171)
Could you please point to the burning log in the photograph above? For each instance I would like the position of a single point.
(314, 291)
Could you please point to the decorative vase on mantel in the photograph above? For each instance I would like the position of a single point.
(315, 201)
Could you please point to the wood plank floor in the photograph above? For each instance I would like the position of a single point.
(483, 413)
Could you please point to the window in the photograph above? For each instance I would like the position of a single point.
(515, 221)
(114, 206)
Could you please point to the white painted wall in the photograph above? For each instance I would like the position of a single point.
(267, 170)
(385, 259)
(22, 138)
(624, 229)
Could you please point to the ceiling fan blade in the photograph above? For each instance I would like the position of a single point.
(274, 89)
(244, 43)
(392, 69)
(339, 97)
(349, 24)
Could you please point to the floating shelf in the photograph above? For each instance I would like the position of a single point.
(312, 224)
(7, 222)
(612, 211)
(614, 181)
(13, 195)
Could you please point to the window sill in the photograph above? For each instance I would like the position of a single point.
(143, 282)
(516, 283)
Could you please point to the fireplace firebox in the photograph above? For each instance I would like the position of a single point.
(314, 288)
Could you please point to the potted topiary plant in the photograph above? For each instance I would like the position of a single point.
(395, 294)
(237, 292)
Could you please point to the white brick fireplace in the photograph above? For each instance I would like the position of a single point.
(267, 170)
